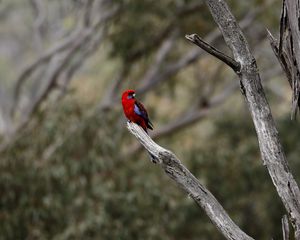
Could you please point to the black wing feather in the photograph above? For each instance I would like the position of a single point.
(140, 110)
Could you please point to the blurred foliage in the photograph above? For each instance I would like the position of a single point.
(88, 189)
(141, 25)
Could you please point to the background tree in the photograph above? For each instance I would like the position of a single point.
(74, 170)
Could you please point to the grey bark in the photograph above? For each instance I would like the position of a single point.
(285, 228)
(287, 50)
(272, 153)
(213, 51)
(190, 184)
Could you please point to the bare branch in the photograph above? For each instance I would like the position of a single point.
(62, 47)
(293, 13)
(195, 115)
(190, 184)
(27, 72)
(161, 54)
(39, 10)
(194, 38)
(287, 50)
(271, 149)
(55, 68)
(5, 121)
(110, 96)
(285, 228)
(78, 62)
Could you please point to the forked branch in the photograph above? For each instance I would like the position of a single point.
(190, 184)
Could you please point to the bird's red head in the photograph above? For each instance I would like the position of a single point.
(128, 95)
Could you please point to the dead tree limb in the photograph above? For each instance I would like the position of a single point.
(194, 38)
(287, 50)
(272, 152)
(285, 228)
(190, 184)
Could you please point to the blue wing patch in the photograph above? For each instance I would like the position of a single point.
(141, 111)
(138, 111)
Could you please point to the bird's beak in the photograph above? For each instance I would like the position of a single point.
(133, 95)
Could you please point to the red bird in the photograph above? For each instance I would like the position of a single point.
(135, 111)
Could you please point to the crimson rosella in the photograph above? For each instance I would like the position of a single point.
(136, 112)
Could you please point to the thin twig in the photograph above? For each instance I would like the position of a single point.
(194, 38)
